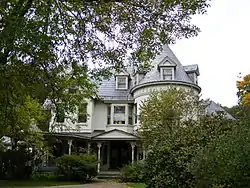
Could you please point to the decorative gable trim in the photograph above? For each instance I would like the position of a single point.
(115, 134)
(167, 62)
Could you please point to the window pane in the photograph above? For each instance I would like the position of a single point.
(121, 82)
(82, 113)
(108, 115)
(119, 115)
(167, 74)
(119, 109)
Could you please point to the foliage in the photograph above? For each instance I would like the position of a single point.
(244, 90)
(164, 112)
(166, 167)
(173, 129)
(46, 47)
(132, 172)
(17, 164)
(136, 185)
(44, 176)
(77, 167)
(225, 160)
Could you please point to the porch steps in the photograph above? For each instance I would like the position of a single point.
(108, 175)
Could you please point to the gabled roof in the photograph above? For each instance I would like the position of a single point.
(107, 89)
(192, 68)
(166, 54)
(214, 108)
(114, 135)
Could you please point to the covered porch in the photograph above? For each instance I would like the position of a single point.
(113, 149)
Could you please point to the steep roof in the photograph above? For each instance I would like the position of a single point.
(192, 68)
(213, 108)
(154, 74)
(107, 89)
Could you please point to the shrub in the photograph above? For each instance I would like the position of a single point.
(77, 167)
(44, 176)
(16, 164)
(132, 173)
(165, 167)
(224, 161)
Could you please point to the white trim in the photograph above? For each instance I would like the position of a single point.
(112, 114)
(116, 82)
(167, 68)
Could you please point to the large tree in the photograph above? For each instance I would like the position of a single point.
(46, 46)
(174, 127)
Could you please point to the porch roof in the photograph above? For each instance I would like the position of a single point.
(115, 134)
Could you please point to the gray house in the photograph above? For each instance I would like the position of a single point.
(112, 124)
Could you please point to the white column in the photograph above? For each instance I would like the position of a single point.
(99, 145)
(89, 145)
(133, 151)
(70, 145)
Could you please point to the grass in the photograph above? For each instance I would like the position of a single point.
(136, 185)
(35, 183)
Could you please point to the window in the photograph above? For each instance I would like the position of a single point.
(135, 108)
(82, 113)
(167, 73)
(60, 115)
(119, 115)
(130, 115)
(121, 82)
(109, 115)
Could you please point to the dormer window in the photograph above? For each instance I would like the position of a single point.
(121, 82)
(167, 73)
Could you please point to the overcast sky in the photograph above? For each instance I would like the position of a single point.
(222, 49)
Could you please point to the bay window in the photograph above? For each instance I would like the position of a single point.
(119, 116)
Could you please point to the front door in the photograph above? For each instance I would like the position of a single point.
(120, 154)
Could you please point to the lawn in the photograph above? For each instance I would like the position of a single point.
(136, 185)
(34, 183)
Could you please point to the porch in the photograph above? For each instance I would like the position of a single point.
(113, 149)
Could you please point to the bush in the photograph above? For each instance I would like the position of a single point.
(132, 173)
(45, 176)
(224, 161)
(77, 167)
(165, 167)
(16, 164)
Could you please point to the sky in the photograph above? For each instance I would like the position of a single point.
(222, 49)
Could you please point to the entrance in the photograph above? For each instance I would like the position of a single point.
(120, 154)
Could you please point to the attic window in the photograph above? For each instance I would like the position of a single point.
(121, 82)
(167, 73)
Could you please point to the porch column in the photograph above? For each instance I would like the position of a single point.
(99, 145)
(70, 145)
(89, 145)
(132, 151)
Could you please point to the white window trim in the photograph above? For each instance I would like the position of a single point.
(172, 68)
(126, 77)
(112, 114)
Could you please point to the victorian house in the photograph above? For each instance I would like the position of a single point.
(110, 129)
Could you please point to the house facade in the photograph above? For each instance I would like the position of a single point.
(110, 129)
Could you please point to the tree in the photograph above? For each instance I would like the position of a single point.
(244, 90)
(47, 46)
(225, 160)
(174, 128)
(164, 112)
